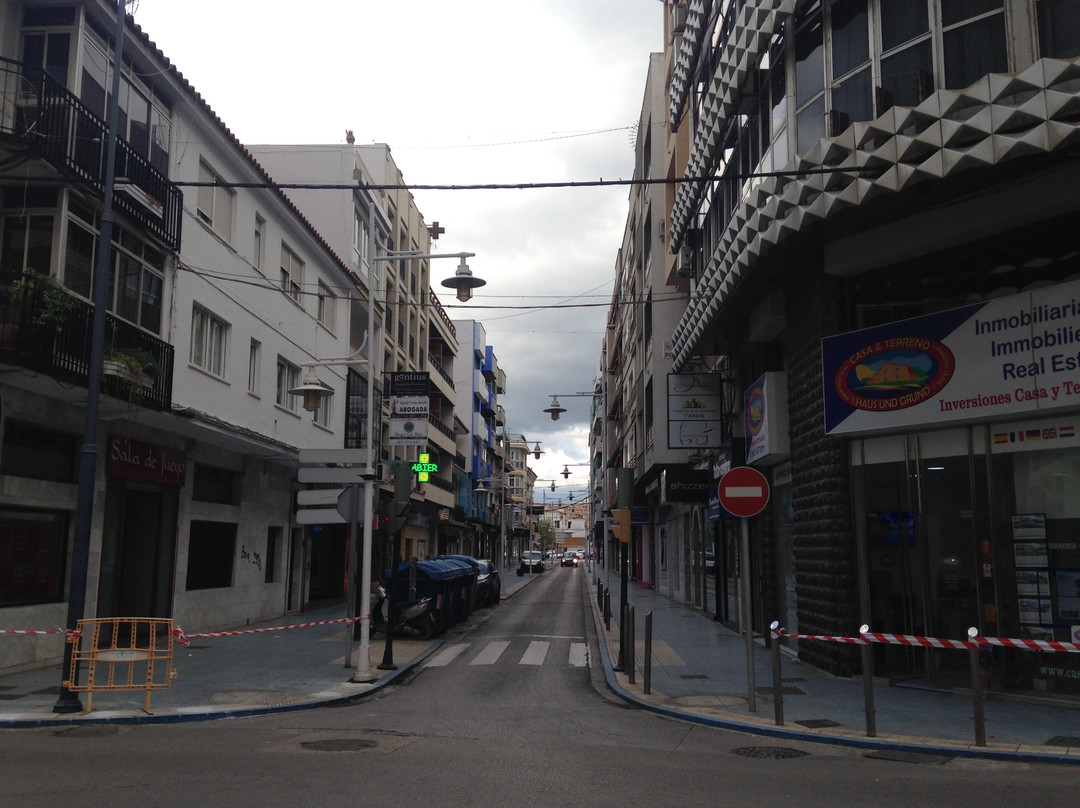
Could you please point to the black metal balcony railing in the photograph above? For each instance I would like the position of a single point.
(64, 352)
(55, 125)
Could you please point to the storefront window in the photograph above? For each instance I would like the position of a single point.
(33, 556)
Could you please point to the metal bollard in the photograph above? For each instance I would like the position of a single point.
(647, 662)
(631, 663)
(607, 611)
(599, 593)
(867, 654)
(777, 675)
(977, 694)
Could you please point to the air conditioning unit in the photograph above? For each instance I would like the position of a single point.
(678, 19)
(684, 262)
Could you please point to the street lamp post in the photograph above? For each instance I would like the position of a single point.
(312, 389)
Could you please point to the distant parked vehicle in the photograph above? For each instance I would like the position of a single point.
(530, 561)
(488, 584)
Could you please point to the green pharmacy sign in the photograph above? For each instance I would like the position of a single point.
(424, 468)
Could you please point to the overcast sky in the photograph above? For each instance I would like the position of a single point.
(464, 92)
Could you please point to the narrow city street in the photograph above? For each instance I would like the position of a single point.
(511, 710)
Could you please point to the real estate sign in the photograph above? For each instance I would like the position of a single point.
(1012, 356)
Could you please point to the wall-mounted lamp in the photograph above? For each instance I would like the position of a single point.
(537, 451)
(464, 281)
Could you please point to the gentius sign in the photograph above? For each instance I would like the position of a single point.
(1016, 356)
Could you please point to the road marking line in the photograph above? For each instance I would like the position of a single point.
(491, 653)
(449, 655)
(579, 654)
(535, 653)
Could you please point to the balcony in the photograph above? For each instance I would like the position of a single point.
(42, 117)
(29, 339)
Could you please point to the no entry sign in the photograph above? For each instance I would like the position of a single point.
(744, 491)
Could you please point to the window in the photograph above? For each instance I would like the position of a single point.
(288, 377)
(208, 341)
(26, 244)
(137, 270)
(327, 306)
(323, 412)
(974, 49)
(1059, 28)
(254, 360)
(360, 245)
(216, 485)
(215, 204)
(257, 247)
(292, 272)
(39, 453)
(33, 556)
(211, 548)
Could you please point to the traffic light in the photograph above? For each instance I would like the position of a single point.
(399, 508)
(620, 523)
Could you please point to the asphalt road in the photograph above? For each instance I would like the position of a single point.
(511, 711)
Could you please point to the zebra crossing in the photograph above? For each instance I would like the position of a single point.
(534, 652)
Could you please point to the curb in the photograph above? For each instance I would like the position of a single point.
(190, 714)
(872, 744)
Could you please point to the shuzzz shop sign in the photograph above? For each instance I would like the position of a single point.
(1013, 356)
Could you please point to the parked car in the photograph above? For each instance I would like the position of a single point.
(530, 561)
(488, 583)
(569, 559)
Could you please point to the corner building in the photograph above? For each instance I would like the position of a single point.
(885, 255)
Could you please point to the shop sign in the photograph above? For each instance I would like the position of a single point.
(684, 485)
(409, 420)
(1012, 356)
(149, 462)
(695, 410)
(765, 414)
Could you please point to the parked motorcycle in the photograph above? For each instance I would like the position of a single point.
(412, 618)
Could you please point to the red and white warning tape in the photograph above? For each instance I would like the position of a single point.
(916, 641)
(185, 639)
(65, 632)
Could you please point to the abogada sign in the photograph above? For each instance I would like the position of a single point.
(409, 420)
(1012, 356)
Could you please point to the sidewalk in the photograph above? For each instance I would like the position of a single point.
(699, 673)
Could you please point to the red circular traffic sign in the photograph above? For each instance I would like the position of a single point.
(744, 491)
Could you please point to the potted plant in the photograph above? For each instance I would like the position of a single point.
(53, 304)
(133, 365)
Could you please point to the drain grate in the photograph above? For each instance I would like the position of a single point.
(769, 690)
(1063, 740)
(693, 676)
(909, 757)
(769, 752)
(819, 723)
(340, 745)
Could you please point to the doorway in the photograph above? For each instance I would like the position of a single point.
(919, 526)
(138, 554)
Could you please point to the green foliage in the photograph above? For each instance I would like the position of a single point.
(54, 305)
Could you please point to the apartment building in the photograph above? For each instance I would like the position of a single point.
(893, 189)
(215, 298)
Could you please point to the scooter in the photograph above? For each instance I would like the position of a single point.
(413, 618)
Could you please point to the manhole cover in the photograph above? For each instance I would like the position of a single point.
(340, 745)
(769, 752)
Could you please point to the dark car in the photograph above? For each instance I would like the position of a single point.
(569, 559)
(488, 584)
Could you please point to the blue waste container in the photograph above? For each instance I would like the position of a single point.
(439, 580)
(472, 572)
